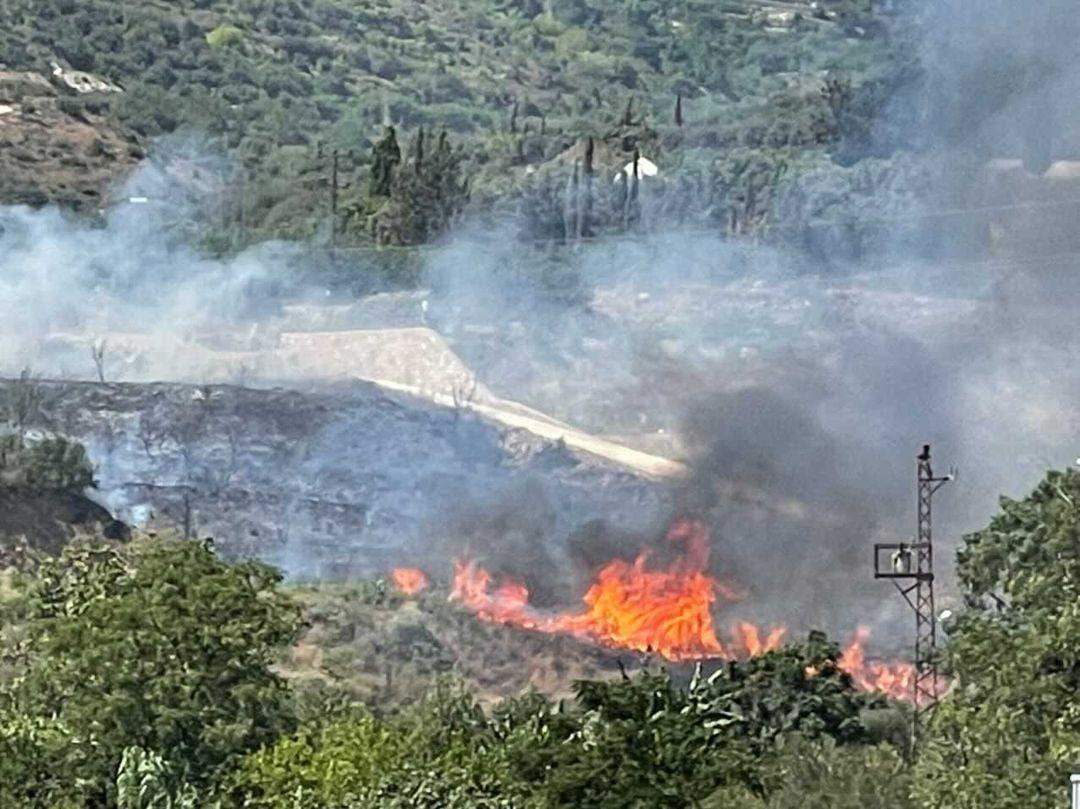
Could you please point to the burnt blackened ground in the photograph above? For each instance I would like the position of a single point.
(337, 484)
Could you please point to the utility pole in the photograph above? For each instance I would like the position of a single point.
(334, 199)
(915, 563)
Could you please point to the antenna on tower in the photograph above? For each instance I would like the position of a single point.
(914, 562)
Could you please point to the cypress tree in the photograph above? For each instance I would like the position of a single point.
(585, 213)
(630, 211)
(570, 205)
(385, 157)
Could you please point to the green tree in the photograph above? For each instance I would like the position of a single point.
(426, 194)
(634, 736)
(822, 773)
(1008, 734)
(324, 764)
(385, 157)
(159, 645)
(224, 36)
(441, 753)
(643, 741)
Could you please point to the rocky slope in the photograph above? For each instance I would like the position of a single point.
(48, 154)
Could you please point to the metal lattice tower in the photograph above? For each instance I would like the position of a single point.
(915, 563)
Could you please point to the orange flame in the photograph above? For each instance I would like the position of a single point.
(629, 605)
(749, 637)
(667, 611)
(409, 580)
(895, 680)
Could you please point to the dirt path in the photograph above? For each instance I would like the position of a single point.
(511, 414)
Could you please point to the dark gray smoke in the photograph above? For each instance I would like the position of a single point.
(800, 401)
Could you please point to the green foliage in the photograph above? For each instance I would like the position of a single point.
(224, 36)
(1008, 734)
(385, 158)
(267, 77)
(51, 463)
(833, 212)
(823, 773)
(643, 741)
(438, 754)
(426, 194)
(324, 764)
(159, 646)
(146, 781)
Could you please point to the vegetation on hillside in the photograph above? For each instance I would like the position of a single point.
(733, 101)
(144, 675)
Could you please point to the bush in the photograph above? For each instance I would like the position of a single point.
(806, 773)
(159, 646)
(224, 36)
(52, 463)
(327, 764)
(644, 741)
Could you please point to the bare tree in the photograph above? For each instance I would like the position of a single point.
(23, 400)
(465, 390)
(464, 393)
(97, 351)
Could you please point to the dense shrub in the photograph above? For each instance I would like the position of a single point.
(46, 463)
(1008, 734)
(158, 645)
(645, 741)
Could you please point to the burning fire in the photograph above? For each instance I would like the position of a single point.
(630, 605)
(751, 642)
(409, 580)
(895, 680)
(669, 611)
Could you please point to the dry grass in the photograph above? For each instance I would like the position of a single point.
(387, 650)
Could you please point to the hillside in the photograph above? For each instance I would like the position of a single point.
(54, 151)
(366, 640)
(334, 485)
(762, 89)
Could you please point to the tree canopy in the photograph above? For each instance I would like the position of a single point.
(1008, 734)
(160, 646)
(280, 86)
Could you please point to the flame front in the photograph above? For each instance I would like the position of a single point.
(409, 580)
(668, 611)
(895, 680)
(629, 605)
